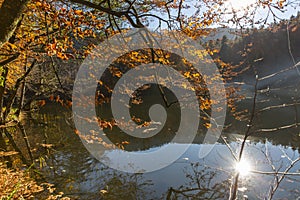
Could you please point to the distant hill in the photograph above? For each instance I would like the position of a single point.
(263, 51)
(219, 33)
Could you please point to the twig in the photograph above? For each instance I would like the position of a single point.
(234, 188)
(283, 175)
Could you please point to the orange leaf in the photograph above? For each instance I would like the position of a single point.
(78, 12)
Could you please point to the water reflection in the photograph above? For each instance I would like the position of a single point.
(149, 95)
(243, 167)
(75, 172)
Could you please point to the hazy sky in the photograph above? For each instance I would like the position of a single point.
(229, 5)
(292, 9)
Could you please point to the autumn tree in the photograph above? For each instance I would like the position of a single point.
(36, 35)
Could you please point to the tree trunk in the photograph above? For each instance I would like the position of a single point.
(10, 15)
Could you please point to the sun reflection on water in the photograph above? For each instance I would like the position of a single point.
(243, 167)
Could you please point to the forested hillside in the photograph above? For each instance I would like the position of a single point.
(264, 50)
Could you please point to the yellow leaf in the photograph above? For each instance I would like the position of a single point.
(78, 12)
(207, 125)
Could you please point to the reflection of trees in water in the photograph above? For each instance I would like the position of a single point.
(204, 183)
(68, 165)
(78, 175)
(126, 186)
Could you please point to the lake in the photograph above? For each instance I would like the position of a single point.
(74, 171)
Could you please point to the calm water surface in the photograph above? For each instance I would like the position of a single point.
(75, 172)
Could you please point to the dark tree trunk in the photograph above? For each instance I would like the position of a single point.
(10, 15)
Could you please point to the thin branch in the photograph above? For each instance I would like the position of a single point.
(24, 134)
(277, 128)
(230, 149)
(179, 11)
(289, 44)
(275, 173)
(277, 106)
(16, 87)
(234, 188)
(274, 189)
(9, 60)
(279, 72)
(110, 11)
(99, 7)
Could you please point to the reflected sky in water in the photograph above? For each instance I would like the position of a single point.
(78, 174)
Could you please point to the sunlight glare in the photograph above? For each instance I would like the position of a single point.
(243, 167)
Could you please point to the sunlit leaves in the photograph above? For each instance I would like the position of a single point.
(205, 103)
(115, 72)
(2, 78)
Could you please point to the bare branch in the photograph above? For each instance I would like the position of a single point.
(283, 175)
(277, 128)
(10, 59)
(275, 173)
(110, 11)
